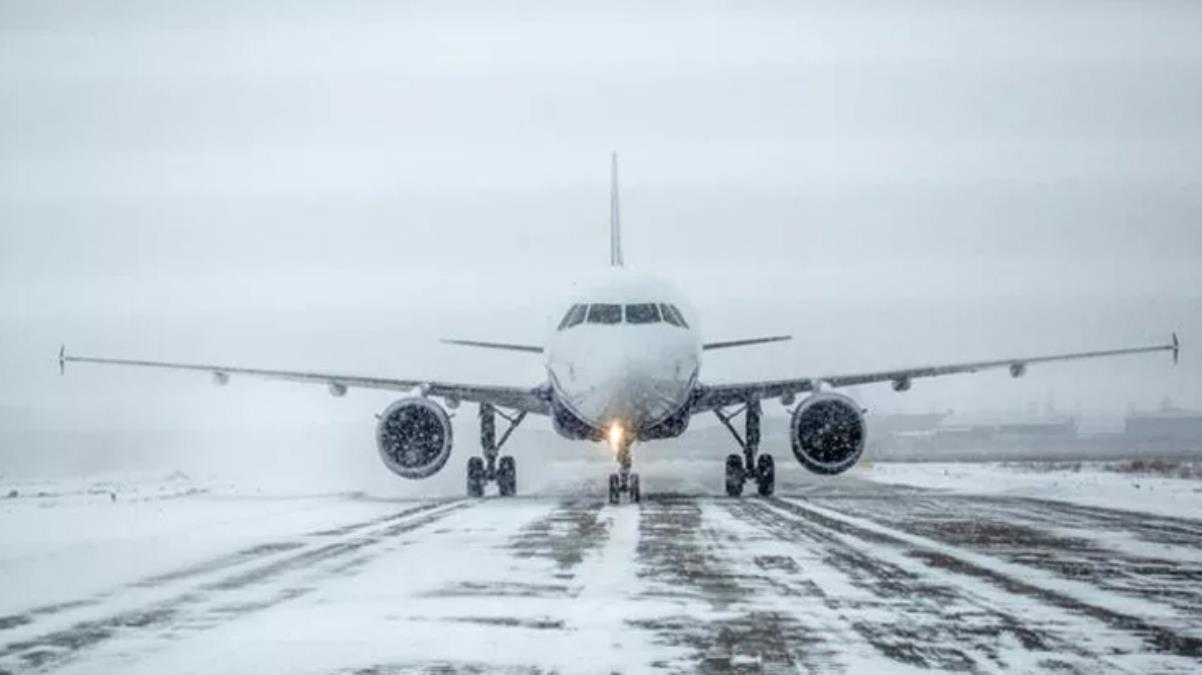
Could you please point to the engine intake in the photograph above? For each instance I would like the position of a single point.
(828, 433)
(414, 437)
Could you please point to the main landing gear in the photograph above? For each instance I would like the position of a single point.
(739, 470)
(624, 480)
(481, 470)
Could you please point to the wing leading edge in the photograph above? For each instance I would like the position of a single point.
(745, 342)
(714, 396)
(532, 400)
(507, 346)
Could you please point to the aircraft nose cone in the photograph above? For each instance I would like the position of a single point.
(637, 391)
(635, 383)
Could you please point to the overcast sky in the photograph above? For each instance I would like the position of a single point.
(336, 185)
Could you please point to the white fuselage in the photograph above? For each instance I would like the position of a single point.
(632, 373)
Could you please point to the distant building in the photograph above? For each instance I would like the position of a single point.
(1173, 424)
(1048, 427)
(1168, 432)
(900, 423)
(970, 435)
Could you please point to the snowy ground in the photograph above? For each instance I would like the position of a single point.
(178, 575)
(1089, 484)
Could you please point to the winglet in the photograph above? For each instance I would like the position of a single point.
(62, 359)
(1176, 348)
(615, 217)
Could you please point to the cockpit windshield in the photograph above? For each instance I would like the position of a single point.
(634, 313)
(605, 313)
(673, 315)
(645, 312)
(574, 316)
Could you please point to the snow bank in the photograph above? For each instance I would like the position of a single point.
(1089, 484)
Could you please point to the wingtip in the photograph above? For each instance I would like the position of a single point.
(1176, 348)
(62, 359)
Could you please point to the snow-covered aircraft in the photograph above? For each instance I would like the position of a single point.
(623, 365)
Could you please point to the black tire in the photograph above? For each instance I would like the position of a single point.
(475, 477)
(635, 495)
(507, 477)
(615, 493)
(734, 475)
(765, 475)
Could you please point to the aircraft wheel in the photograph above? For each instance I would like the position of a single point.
(615, 491)
(734, 475)
(507, 476)
(765, 470)
(635, 495)
(475, 477)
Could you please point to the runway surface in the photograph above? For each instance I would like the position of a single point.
(831, 576)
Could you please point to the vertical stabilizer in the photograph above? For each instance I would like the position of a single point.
(615, 217)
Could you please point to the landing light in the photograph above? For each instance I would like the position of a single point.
(615, 435)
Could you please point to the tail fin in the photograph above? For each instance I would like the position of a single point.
(615, 217)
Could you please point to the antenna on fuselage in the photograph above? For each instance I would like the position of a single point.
(615, 217)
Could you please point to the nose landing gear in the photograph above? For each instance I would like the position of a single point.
(624, 480)
(739, 470)
(482, 470)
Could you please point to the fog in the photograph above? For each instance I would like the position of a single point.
(335, 186)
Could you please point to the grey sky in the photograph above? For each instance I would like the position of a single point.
(338, 184)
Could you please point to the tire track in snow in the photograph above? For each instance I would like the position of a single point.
(201, 606)
(1068, 543)
(913, 619)
(533, 576)
(202, 568)
(721, 626)
(1152, 528)
(1106, 617)
(566, 535)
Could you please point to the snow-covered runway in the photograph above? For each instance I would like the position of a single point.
(831, 576)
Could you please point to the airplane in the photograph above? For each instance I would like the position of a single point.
(622, 365)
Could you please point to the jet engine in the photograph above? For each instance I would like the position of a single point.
(828, 433)
(414, 437)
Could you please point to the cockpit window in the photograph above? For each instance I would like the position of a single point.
(673, 315)
(605, 314)
(668, 315)
(642, 313)
(679, 316)
(636, 313)
(574, 316)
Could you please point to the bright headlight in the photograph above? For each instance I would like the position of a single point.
(615, 435)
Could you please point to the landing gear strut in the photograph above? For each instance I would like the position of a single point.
(739, 470)
(624, 480)
(486, 469)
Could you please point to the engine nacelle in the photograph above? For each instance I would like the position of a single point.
(828, 433)
(414, 437)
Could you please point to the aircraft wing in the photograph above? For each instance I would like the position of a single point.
(508, 346)
(709, 397)
(725, 344)
(532, 400)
